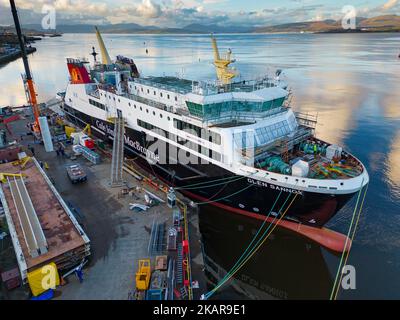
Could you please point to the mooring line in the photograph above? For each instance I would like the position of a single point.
(253, 251)
(254, 238)
(346, 242)
(352, 238)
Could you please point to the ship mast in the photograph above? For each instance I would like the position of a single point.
(224, 73)
(105, 58)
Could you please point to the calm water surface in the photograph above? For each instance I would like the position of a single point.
(351, 81)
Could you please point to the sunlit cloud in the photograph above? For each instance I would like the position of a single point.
(179, 13)
(390, 4)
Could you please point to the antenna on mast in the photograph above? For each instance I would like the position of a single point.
(94, 54)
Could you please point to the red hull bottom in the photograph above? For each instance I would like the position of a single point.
(327, 238)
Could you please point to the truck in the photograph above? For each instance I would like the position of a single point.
(76, 173)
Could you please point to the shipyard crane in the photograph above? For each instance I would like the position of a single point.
(224, 73)
(105, 57)
(28, 81)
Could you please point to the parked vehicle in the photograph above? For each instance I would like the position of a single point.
(76, 173)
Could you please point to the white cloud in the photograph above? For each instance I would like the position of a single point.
(149, 9)
(390, 4)
(178, 13)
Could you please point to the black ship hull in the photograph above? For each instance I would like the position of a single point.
(211, 184)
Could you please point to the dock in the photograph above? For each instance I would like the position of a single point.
(119, 236)
(42, 227)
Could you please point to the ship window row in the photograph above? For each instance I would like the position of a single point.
(214, 110)
(97, 104)
(155, 93)
(182, 141)
(197, 131)
(156, 129)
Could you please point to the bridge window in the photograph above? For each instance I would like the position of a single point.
(97, 104)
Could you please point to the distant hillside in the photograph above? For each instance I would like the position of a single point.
(124, 28)
(199, 28)
(382, 23)
(390, 23)
(310, 26)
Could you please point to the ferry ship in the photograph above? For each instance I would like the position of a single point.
(238, 145)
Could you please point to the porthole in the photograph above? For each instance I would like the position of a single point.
(154, 113)
(241, 205)
(256, 210)
(161, 115)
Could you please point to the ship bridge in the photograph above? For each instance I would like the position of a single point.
(225, 109)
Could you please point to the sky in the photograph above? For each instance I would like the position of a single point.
(179, 13)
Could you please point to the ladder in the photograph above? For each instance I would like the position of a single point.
(179, 267)
(118, 152)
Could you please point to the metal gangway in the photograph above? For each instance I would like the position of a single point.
(117, 160)
(28, 219)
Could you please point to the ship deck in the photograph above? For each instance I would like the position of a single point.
(168, 83)
(320, 167)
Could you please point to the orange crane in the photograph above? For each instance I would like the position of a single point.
(28, 81)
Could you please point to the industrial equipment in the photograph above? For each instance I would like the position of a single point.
(28, 81)
(143, 275)
(224, 73)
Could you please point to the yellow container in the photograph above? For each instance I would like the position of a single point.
(143, 275)
(43, 279)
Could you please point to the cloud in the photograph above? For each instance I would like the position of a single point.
(390, 4)
(179, 13)
(149, 9)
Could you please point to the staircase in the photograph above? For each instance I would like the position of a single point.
(118, 152)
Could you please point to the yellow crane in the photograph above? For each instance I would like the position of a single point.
(224, 73)
(105, 57)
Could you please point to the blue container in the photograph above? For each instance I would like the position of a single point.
(154, 294)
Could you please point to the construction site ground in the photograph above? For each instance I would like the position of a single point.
(119, 236)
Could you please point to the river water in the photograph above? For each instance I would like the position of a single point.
(351, 80)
